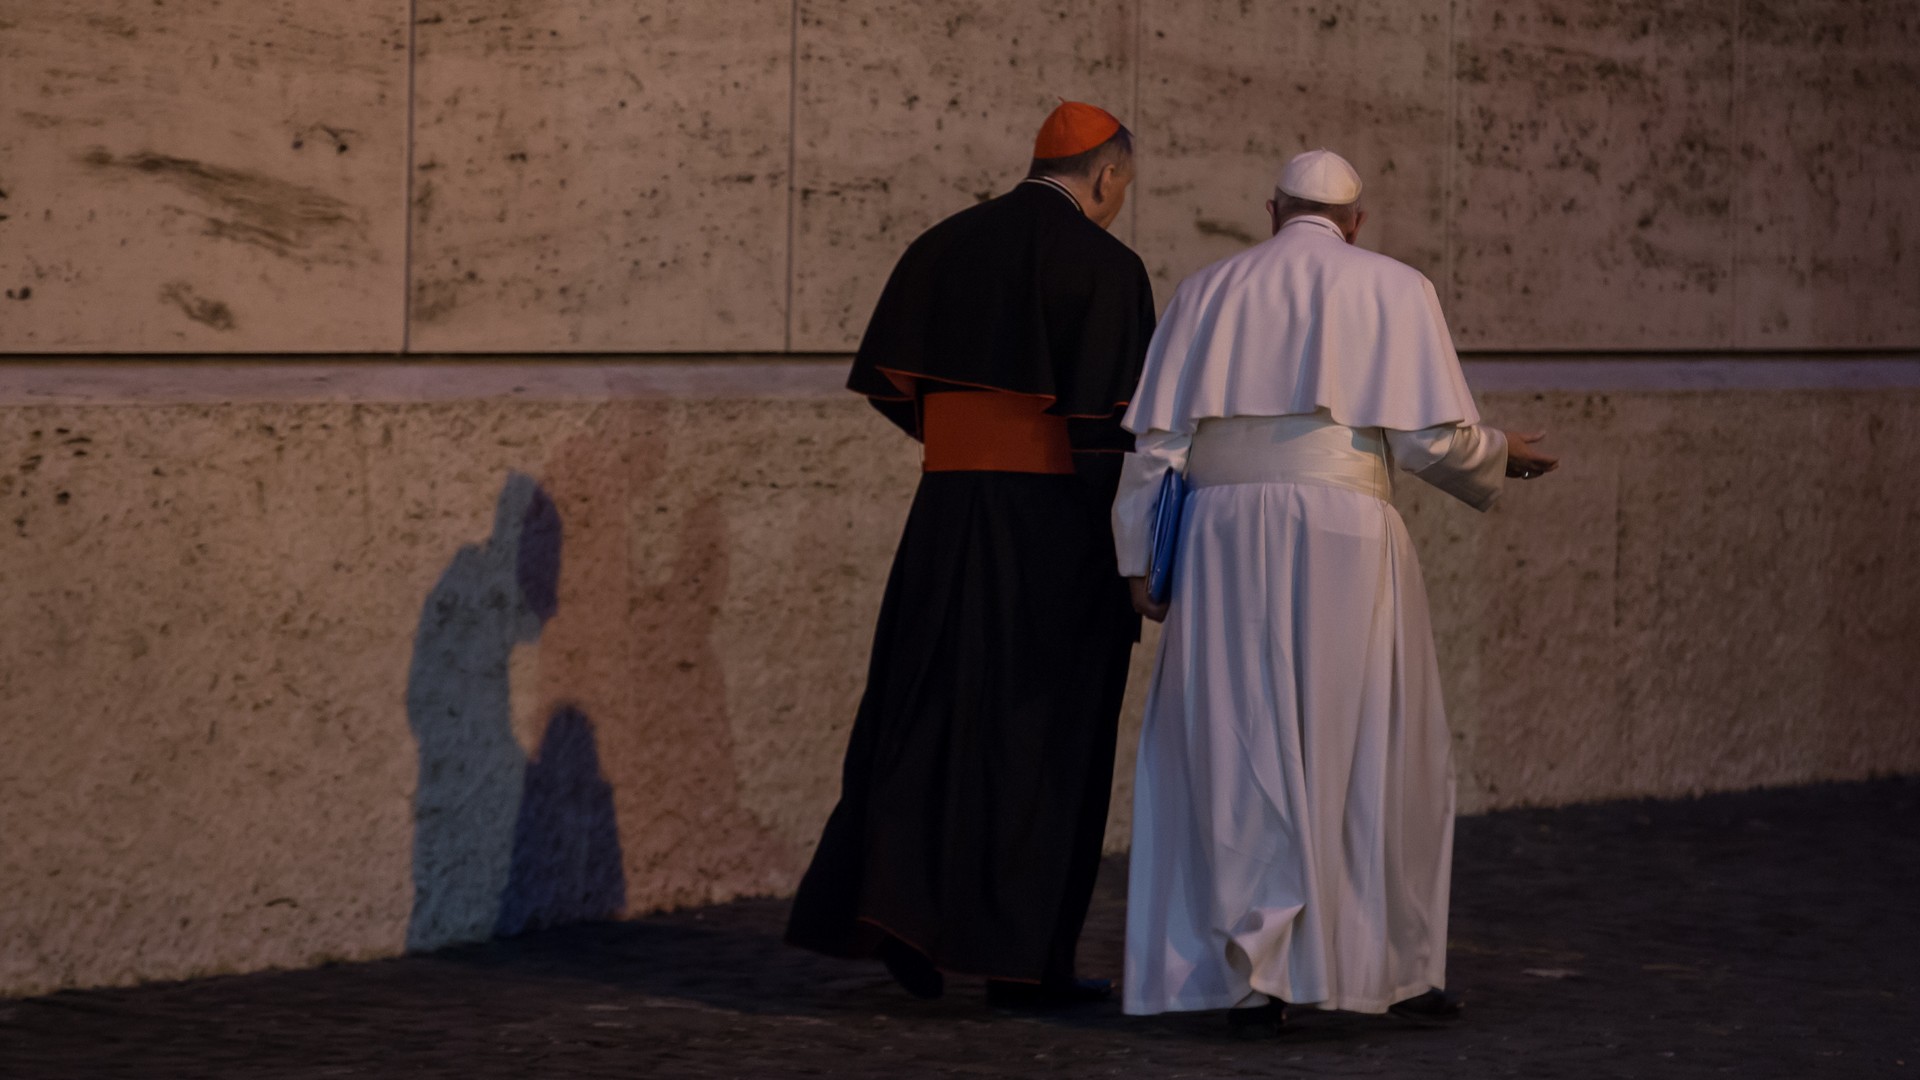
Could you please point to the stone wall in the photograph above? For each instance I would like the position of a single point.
(300, 659)
(312, 660)
(600, 176)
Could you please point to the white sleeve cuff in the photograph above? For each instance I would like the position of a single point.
(1468, 462)
(1140, 476)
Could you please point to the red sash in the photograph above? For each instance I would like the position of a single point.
(992, 431)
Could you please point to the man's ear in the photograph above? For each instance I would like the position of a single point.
(1273, 215)
(1100, 180)
(1359, 219)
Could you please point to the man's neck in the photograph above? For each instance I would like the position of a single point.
(1064, 187)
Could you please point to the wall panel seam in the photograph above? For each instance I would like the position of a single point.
(793, 159)
(1139, 122)
(1448, 210)
(1737, 335)
(406, 186)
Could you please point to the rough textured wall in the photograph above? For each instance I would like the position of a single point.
(907, 112)
(202, 177)
(1229, 91)
(1714, 594)
(601, 175)
(327, 675)
(1828, 143)
(589, 175)
(1593, 186)
(275, 677)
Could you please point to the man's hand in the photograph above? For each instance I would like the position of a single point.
(1146, 607)
(1523, 461)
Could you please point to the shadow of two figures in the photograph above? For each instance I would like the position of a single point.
(502, 843)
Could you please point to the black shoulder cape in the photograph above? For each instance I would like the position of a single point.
(1022, 293)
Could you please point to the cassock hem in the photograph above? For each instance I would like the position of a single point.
(944, 969)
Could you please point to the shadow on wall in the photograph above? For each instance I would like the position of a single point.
(501, 845)
(566, 847)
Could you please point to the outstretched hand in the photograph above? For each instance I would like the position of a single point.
(1524, 461)
(1144, 604)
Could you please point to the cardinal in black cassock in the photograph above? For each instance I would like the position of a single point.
(974, 795)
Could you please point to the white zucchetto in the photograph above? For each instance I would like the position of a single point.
(1320, 176)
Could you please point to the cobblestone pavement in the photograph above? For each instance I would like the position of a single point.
(1767, 934)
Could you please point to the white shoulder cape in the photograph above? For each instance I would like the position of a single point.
(1302, 322)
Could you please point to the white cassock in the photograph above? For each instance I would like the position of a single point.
(1293, 802)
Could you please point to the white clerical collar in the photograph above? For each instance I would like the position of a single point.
(1048, 181)
(1315, 219)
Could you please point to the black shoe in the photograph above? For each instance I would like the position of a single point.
(1432, 1007)
(1008, 994)
(1259, 1021)
(912, 969)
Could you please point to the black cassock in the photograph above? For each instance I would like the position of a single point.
(974, 795)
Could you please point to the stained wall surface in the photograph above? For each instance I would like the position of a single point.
(316, 661)
(203, 177)
(298, 662)
(592, 176)
(601, 176)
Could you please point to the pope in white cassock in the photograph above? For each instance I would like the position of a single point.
(1293, 804)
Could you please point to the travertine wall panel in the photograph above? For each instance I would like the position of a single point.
(1829, 143)
(906, 114)
(1867, 581)
(601, 176)
(1593, 186)
(220, 768)
(1707, 584)
(1525, 607)
(207, 177)
(595, 176)
(1230, 91)
(273, 664)
(1704, 595)
(197, 687)
(792, 502)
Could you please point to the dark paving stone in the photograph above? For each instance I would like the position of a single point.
(1767, 934)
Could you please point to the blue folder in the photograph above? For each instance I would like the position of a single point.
(1165, 542)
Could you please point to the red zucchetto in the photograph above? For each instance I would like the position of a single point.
(1074, 128)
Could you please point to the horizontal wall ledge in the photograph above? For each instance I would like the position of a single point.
(99, 381)
(1622, 374)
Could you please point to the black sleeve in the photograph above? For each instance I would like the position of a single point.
(1099, 435)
